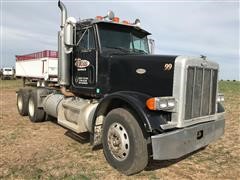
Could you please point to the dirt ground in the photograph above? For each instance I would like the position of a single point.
(45, 150)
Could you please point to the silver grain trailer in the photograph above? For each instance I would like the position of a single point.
(38, 67)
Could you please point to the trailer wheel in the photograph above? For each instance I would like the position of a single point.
(22, 101)
(124, 145)
(35, 114)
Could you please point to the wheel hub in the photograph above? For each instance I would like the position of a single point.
(118, 141)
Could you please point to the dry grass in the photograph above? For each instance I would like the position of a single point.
(44, 151)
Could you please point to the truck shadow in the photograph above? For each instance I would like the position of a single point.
(84, 138)
(81, 137)
(159, 164)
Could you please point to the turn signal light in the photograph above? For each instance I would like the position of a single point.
(167, 103)
(151, 103)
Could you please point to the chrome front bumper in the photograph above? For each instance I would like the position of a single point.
(175, 144)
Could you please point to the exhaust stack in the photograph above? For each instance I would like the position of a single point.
(63, 13)
(64, 60)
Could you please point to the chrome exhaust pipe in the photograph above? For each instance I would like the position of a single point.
(64, 58)
(63, 13)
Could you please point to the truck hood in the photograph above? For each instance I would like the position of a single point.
(149, 74)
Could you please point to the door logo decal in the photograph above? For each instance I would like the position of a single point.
(81, 63)
(167, 67)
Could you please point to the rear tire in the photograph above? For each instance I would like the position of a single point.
(124, 145)
(22, 101)
(35, 114)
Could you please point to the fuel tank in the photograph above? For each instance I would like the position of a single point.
(149, 74)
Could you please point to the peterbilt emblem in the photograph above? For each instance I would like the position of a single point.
(81, 63)
(167, 67)
(141, 71)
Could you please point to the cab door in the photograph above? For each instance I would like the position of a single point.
(84, 61)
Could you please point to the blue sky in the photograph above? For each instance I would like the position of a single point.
(185, 27)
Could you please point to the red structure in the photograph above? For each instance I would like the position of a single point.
(42, 54)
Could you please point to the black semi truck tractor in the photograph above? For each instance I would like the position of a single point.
(137, 105)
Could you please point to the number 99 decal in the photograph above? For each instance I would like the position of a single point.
(167, 67)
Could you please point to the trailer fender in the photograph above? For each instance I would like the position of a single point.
(41, 94)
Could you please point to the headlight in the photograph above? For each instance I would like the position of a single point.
(171, 103)
(161, 103)
(220, 98)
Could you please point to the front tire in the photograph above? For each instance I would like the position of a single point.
(124, 145)
(35, 114)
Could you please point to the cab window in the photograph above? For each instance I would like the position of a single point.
(86, 37)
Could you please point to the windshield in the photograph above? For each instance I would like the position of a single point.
(7, 69)
(123, 39)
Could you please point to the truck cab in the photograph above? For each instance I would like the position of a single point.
(8, 73)
(135, 104)
(95, 57)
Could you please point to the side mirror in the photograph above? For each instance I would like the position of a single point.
(70, 32)
(151, 44)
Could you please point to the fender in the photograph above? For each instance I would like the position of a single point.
(148, 120)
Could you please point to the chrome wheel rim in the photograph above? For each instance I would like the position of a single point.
(118, 141)
(31, 107)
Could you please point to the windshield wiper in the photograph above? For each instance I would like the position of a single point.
(128, 51)
(139, 51)
(119, 48)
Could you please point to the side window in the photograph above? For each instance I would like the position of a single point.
(91, 42)
(137, 44)
(87, 42)
(83, 42)
(140, 43)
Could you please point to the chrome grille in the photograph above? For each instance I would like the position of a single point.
(200, 92)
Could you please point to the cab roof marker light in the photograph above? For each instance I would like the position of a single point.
(125, 22)
(110, 15)
(116, 19)
(99, 18)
